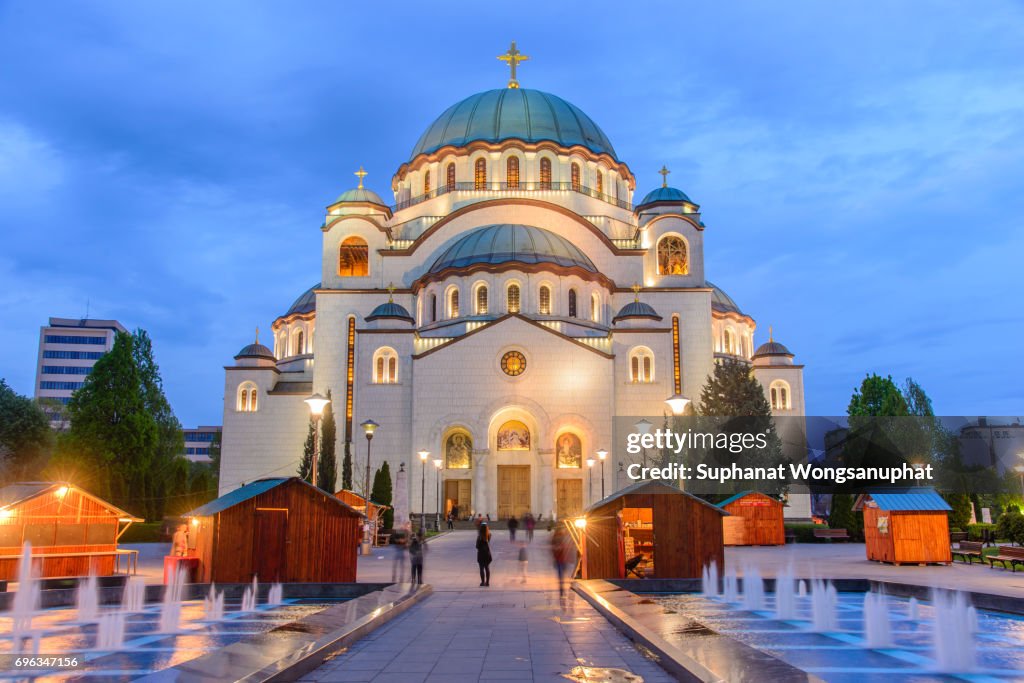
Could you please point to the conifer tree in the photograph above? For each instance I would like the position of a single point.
(381, 493)
(306, 463)
(346, 468)
(327, 461)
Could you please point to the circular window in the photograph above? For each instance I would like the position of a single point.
(513, 363)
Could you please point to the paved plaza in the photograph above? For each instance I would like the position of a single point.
(510, 631)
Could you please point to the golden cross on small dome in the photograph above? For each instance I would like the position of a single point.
(636, 291)
(771, 337)
(512, 58)
(664, 175)
(257, 334)
(391, 292)
(361, 174)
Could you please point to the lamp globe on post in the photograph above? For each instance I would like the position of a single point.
(677, 403)
(590, 485)
(316, 404)
(423, 487)
(437, 469)
(602, 454)
(369, 427)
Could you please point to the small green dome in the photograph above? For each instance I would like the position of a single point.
(360, 194)
(665, 194)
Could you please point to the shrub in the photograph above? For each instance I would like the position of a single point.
(976, 532)
(142, 532)
(804, 533)
(1010, 526)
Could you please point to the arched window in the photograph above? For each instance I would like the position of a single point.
(641, 365)
(545, 173)
(572, 303)
(450, 176)
(512, 296)
(300, 346)
(575, 173)
(599, 182)
(780, 395)
(282, 345)
(481, 300)
(512, 173)
(353, 257)
(595, 307)
(433, 308)
(728, 341)
(426, 182)
(672, 258)
(480, 174)
(247, 398)
(453, 303)
(385, 366)
(545, 300)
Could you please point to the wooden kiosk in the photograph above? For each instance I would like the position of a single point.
(755, 519)
(905, 525)
(283, 530)
(651, 529)
(374, 515)
(72, 532)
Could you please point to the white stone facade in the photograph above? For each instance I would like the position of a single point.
(583, 366)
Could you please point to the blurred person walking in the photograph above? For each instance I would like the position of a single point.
(513, 524)
(417, 549)
(483, 554)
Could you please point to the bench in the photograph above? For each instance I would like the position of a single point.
(1007, 554)
(957, 536)
(57, 582)
(832, 534)
(383, 539)
(790, 535)
(969, 550)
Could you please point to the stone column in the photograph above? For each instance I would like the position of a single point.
(480, 463)
(545, 464)
(400, 499)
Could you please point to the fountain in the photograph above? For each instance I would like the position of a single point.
(824, 606)
(801, 589)
(275, 596)
(110, 631)
(170, 610)
(250, 596)
(955, 621)
(877, 629)
(213, 605)
(134, 597)
(730, 591)
(26, 599)
(88, 598)
(709, 580)
(913, 611)
(785, 598)
(753, 588)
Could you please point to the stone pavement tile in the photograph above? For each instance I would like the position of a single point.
(487, 675)
(458, 665)
(411, 665)
(455, 678)
(340, 675)
(400, 678)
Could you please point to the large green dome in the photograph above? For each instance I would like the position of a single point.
(513, 113)
(492, 245)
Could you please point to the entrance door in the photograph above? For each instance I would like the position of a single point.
(569, 502)
(458, 492)
(513, 490)
(269, 549)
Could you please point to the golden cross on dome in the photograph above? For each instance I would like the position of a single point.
(664, 175)
(361, 174)
(512, 58)
(636, 291)
(771, 337)
(391, 292)
(257, 334)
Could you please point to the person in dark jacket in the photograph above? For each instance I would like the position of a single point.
(417, 548)
(513, 524)
(483, 554)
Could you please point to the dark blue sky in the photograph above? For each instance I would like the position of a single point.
(859, 165)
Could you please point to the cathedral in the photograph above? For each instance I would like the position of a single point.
(493, 319)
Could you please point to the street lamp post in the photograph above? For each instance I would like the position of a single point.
(590, 486)
(437, 517)
(316, 404)
(369, 427)
(602, 454)
(1019, 469)
(677, 403)
(423, 487)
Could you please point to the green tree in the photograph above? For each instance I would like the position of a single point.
(346, 468)
(327, 463)
(877, 396)
(842, 516)
(25, 436)
(306, 463)
(734, 400)
(166, 477)
(110, 443)
(960, 516)
(215, 446)
(381, 493)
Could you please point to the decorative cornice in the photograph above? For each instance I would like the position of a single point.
(503, 319)
(686, 217)
(445, 273)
